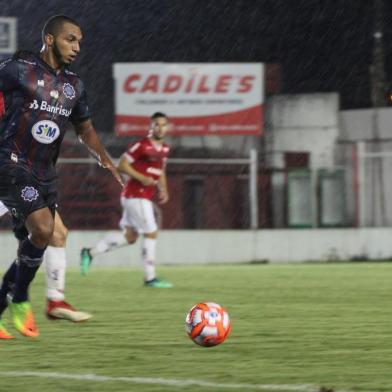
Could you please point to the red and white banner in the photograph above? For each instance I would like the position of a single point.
(199, 98)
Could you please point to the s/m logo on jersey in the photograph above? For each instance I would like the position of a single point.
(45, 131)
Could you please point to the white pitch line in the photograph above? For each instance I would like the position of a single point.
(169, 382)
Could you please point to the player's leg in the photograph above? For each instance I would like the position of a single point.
(55, 261)
(5, 288)
(106, 244)
(110, 242)
(33, 226)
(55, 267)
(9, 276)
(148, 254)
(141, 215)
(149, 262)
(7, 283)
(40, 224)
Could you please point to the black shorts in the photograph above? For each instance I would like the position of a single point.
(22, 194)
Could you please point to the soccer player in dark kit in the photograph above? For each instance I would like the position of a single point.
(40, 96)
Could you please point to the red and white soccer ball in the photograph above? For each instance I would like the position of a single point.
(208, 324)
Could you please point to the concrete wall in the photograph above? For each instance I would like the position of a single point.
(303, 123)
(365, 124)
(300, 123)
(374, 179)
(202, 247)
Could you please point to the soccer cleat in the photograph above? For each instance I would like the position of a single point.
(85, 260)
(158, 284)
(4, 334)
(61, 310)
(23, 318)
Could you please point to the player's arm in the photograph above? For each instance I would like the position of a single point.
(124, 166)
(88, 136)
(163, 193)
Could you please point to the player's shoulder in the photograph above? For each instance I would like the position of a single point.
(73, 78)
(135, 145)
(22, 57)
(70, 73)
(5, 62)
(25, 57)
(145, 141)
(73, 84)
(148, 143)
(18, 62)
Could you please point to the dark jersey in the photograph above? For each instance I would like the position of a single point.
(38, 102)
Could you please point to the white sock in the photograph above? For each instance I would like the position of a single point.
(148, 258)
(108, 243)
(55, 264)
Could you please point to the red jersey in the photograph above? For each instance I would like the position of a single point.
(148, 159)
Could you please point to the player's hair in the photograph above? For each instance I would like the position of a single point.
(157, 115)
(54, 24)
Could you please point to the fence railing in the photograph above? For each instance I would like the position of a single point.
(212, 193)
(240, 194)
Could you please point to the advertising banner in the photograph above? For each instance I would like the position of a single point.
(199, 98)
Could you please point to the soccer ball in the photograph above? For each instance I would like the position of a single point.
(208, 324)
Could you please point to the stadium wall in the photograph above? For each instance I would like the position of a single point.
(356, 125)
(230, 246)
(303, 123)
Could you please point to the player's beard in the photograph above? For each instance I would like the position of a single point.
(57, 54)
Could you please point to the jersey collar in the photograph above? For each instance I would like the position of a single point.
(48, 67)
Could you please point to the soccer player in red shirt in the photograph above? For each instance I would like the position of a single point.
(144, 162)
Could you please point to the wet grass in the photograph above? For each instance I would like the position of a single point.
(325, 325)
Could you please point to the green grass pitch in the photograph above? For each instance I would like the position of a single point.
(295, 328)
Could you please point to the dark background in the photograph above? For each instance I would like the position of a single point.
(322, 45)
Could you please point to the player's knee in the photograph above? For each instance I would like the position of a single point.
(64, 233)
(153, 235)
(59, 236)
(42, 232)
(131, 236)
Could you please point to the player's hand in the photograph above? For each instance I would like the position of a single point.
(109, 166)
(148, 181)
(163, 196)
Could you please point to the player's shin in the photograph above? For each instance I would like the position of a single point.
(30, 258)
(7, 285)
(148, 258)
(55, 265)
(108, 243)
